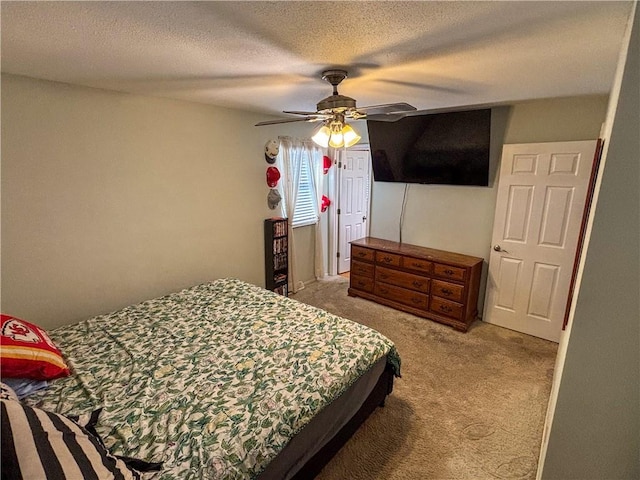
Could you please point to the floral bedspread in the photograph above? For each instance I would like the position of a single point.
(213, 380)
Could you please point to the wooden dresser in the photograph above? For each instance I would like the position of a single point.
(438, 285)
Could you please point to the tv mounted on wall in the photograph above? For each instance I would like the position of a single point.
(450, 148)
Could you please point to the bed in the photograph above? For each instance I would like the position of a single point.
(223, 380)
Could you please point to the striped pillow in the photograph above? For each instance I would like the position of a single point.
(40, 444)
(7, 393)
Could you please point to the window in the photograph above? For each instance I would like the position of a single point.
(306, 209)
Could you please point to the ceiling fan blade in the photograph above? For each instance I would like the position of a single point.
(387, 108)
(394, 117)
(387, 117)
(302, 113)
(287, 120)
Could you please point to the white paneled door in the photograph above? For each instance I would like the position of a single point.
(541, 198)
(354, 203)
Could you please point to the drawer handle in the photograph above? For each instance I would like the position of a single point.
(362, 254)
(417, 284)
(384, 290)
(384, 276)
(417, 265)
(446, 291)
(361, 283)
(416, 300)
(445, 308)
(448, 272)
(387, 259)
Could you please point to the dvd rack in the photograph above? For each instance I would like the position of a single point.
(276, 253)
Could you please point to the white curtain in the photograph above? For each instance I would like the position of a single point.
(316, 167)
(289, 162)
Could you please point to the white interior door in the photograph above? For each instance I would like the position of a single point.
(354, 202)
(541, 197)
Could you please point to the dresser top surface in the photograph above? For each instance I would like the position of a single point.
(417, 251)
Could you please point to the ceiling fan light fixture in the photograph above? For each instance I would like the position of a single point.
(350, 136)
(337, 137)
(321, 136)
(336, 134)
(336, 141)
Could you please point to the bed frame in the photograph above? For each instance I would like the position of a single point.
(378, 395)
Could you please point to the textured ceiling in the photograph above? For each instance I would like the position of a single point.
(267, 56)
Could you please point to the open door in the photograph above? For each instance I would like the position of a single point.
(541, 198)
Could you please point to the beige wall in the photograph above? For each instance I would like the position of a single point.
(593, 423)
(109, 198)
(305, 238)
(460, 218)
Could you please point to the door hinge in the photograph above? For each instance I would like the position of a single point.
(338, 211)
(338, 254)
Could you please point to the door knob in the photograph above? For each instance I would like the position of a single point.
(498, 248)
(364, 218)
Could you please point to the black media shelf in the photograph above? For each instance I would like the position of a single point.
(276, 259)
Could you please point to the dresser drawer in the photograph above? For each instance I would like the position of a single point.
(447, 271)
(386, 258)
(417, 264)
(402, 295)
(361, 268)
(402, 279)
(362, 253)
(361, 283)
(450, 291)
(446, 308)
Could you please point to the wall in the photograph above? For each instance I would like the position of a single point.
(460, 218)
(109, 199)
(593, 422)
(305, 238)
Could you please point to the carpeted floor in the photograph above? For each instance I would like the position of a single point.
(468, 406)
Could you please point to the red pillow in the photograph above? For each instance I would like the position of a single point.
(28, 352)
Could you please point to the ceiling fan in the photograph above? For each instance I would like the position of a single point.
(335, 109)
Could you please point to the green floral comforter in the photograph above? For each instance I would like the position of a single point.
(213, 380)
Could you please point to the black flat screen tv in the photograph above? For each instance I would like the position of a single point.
(450, 148)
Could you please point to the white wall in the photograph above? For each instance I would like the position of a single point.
(109, 198)
(594, 415)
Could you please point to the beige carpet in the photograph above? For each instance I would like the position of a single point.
(468, 406)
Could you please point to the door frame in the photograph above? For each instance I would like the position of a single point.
(580, 234)
(333, 189)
